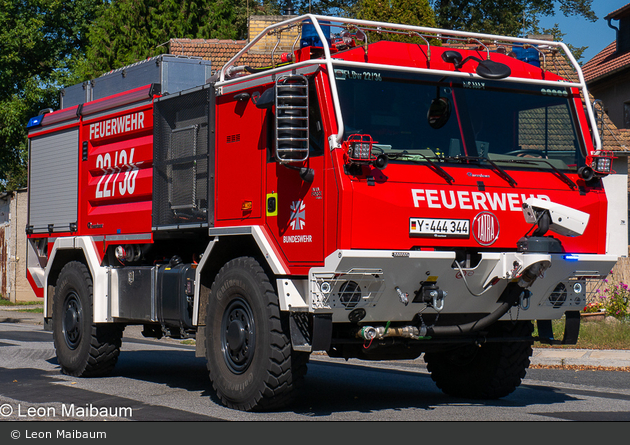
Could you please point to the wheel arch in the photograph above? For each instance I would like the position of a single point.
(83, 250)
(224, 248)
(62, 258)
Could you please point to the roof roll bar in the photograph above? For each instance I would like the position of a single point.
(424, 32)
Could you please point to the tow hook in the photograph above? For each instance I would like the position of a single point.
(525, 298)
(437, 299)
(431, 294)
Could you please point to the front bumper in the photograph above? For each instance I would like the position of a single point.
(377, 281)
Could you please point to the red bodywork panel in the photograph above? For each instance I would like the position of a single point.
(241, 149)
(116, 181)
(395, 199)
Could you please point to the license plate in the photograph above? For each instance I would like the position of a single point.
(439, 228)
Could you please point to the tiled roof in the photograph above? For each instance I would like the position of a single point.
(606, 62)
(217, 51)
(619, 13)
(615, 139)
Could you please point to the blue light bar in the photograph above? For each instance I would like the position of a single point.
(571, 257)
(34, 122)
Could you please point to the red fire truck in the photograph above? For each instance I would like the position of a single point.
(385, 191)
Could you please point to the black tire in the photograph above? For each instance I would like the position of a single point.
(250, 360)
(489, 371)
(84, 349)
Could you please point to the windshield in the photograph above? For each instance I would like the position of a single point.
(413, 117)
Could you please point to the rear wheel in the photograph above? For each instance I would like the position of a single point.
(489, 371)
(83, 348)
(250, 360)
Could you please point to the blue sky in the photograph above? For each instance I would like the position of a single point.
(581, 32)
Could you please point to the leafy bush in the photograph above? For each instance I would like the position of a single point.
(617, 301)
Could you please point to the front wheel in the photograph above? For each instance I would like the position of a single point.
(250, 360)
(489, 371)
(83, 348)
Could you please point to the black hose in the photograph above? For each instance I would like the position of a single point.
(508, 298)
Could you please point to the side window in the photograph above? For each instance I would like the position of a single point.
(270, 120)
(317, 141)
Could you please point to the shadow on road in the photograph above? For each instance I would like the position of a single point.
(329, 387)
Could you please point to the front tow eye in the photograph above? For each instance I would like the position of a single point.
(403, 296)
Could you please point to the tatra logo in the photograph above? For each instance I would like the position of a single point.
(298, 215)
(485, 228)
(477, 175)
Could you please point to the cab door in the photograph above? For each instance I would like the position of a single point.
(295, 190)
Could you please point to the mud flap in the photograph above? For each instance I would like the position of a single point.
(302, 339)
(571, 327)
(300, 333)
(571, 330)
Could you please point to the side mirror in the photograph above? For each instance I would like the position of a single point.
(488, 69)
(266, 100)
(452, 57)
(439, 112)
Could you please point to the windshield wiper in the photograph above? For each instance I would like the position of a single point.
(502, 172)
(499, 170)
(530, 161)
(439, 170)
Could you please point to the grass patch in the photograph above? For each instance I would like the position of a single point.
(188, 342)
(37, 310)
(4, 302)
(604, 334)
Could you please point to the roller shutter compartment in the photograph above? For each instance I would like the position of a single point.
(53, 181)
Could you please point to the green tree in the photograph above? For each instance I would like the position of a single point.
(128, 31)
(406, 12)
(40, 41)
(512, 18)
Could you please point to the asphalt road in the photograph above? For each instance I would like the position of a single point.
(164, 381)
